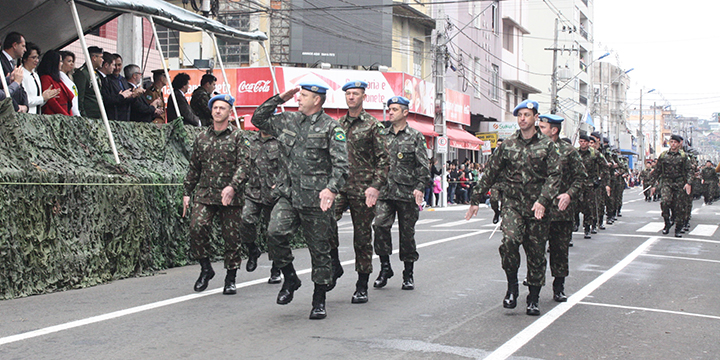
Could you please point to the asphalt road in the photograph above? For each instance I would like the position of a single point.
(634, 294)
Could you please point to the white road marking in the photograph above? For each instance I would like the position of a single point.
(457, 223)
(681, 258)
(695, 211)
(704, 230)
(162, 303)
(523, 337)
(652, 227)
(426, 221)
(652, 310)
(654, 212)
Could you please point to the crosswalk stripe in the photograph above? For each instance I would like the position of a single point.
(652, 227)
(654, 212)
(459, 222)
(695, 211)
(704, 230)
(426, 221)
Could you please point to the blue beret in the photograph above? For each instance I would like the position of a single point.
(677, 138)
(224, 97)
(527, 104)
(551, 118)
(355, 84)
(398, 100)
(316, 88)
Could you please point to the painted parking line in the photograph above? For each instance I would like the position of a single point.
(532, 330)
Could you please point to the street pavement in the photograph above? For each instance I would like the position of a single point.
(634, 294)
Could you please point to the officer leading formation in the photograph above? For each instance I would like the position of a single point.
(303, 169)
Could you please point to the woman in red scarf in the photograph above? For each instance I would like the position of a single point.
(49, 71)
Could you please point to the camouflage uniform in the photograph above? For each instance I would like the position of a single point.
(594, 163)
(368, 161)
(530, 170)
(262, 174)
(216, 157)
(645, 179)
(619, 184)
(199, 106)
(673, 171)
(572, 181)
(710, 180)
(601, 195)
(150, 95)
(313, 158)
(687, 203)
(409, 170)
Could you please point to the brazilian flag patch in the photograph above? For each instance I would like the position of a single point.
(247, 142)
(339, 134)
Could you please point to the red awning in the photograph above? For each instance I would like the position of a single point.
(426, 128)
(462, 139)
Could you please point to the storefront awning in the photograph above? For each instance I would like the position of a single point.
(426, 128)
(462, 139)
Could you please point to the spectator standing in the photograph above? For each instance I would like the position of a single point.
(13, 49)
(154, 92)
(140, 109)
(31, 81)
(66, 72)
(200, 98)
(87, 102)
(116, 92)
(181, 84)
(49, 71)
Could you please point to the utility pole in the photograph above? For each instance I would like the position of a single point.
(654, 132)
(553, 85)
(642, 135)
(440, 124)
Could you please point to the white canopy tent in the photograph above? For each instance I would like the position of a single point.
(46, 23)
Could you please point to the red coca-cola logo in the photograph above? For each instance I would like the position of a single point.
(257, 87)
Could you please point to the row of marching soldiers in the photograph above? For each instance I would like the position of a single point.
(300, 173)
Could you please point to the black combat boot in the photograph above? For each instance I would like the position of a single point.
(386, 272)
(532, 301)
(618, 214)
(408, 280)
(253, 255)
(577, 223)
(587, 231)
(292, 283)
(496, 218)
(361, 289)
(510, 301)
(678, 229)
(318, 303)
(274, 275)
(206, 273)
(667, 227)
(559, 289)
(337, 269)
(600, 222)
(229, 288)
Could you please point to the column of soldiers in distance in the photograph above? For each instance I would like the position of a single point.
(711, 190)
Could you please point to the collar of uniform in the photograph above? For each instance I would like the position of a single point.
(314, 117)
(211, 130)
(535, 136)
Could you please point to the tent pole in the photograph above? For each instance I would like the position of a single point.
(272, 72)
(225, 78)
(93, 79)
(167, 74)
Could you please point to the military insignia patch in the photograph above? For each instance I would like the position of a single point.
(148, 97)
(339, 134)
(400, 156)
(247, 142)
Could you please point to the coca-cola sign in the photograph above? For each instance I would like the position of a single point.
(261, 86)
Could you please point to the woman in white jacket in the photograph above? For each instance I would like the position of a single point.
(31, 80)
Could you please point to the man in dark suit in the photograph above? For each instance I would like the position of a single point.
(13, 49)
(116, 99)
(140, 110)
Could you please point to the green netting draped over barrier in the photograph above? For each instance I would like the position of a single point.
(70, 217)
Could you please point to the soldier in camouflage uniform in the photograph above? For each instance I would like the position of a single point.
(674, 174)
(260, 195)
(603, 191)
(154, 92)
(593, 162)
(496, 194)
(645, 180)
(710, 182)
(402, 193)
(561, 214)
(528, 164)
(368, 161)
(622, 172)
(686, 208)
(315, 167)
(217, 153)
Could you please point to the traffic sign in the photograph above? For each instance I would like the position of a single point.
(442, 145)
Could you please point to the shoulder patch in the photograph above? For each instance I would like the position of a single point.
(247, 142)
(339, 133)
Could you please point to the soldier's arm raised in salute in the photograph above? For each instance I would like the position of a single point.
(263, 117)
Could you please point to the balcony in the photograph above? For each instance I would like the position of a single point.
(583, 32)
(583, 100)
(583, 67)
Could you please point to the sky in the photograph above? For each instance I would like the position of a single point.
(673, 46)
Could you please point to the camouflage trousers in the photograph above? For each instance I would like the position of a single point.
(710, 191)
(407, 213)
(617, 194)
(559, 238)
(285, 221)
(362, 217)
(600, 201)
(253, 214)
(587, 205)
(495, 196)
(202, 219)
(532, 235)
(686, 205)
(673, 200)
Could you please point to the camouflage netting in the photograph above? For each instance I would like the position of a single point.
(72, 218)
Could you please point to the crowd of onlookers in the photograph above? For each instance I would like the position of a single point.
(48, 83)
(461, 178)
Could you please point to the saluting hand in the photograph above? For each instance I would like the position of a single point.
(287, 95)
